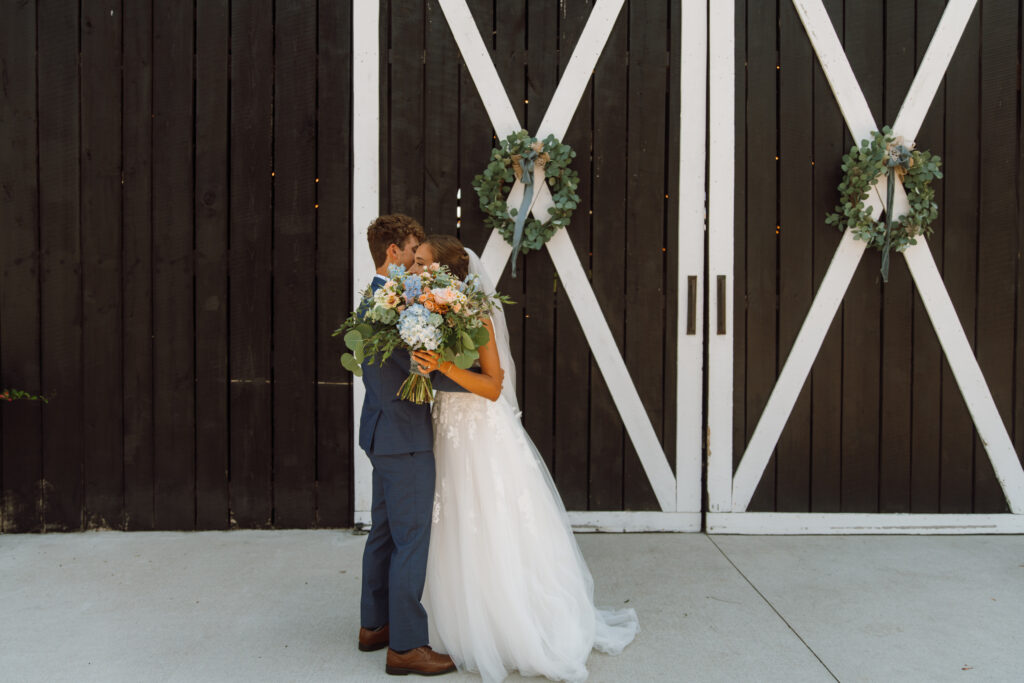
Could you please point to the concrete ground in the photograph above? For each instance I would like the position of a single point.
(283, 606)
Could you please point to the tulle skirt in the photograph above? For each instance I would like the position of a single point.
(507, 588)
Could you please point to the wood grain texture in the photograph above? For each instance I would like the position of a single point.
(211, 298)
(173, 267)
(830, 143)
(760, 351)
(334, 447)
(960, 244)
(294, 246)
(21, 465)
(251, 286)
(61, 487)
(926, 389)
(998, 247)
(137, 263)
(101, 262)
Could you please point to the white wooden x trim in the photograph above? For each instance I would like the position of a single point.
(922, 267)
(570, 271)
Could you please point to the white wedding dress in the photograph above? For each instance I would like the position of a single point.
(507, 588)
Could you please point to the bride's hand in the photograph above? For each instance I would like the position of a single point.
(429, 361)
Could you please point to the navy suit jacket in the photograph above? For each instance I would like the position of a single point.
(389, 425)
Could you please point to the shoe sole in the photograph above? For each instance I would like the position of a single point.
(395, 671)
(373, 648)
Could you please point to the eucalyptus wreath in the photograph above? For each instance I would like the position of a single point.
(515, 157)
(886, 154)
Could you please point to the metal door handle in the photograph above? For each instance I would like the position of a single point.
(721, 304)
(691, 311)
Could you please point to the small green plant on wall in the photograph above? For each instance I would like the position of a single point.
(11, 395)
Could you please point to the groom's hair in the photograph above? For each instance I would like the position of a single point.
(393, 228)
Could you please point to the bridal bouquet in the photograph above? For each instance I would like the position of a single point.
(432, 311)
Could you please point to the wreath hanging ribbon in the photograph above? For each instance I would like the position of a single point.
(898, 161)
(526, 164)
(517, 165)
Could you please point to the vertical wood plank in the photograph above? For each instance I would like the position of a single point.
(384, 106)
(572, 368)
(21, 466)
(862, 308)
(761, 244)
(827, 374)
(739, 285)
(536, 269)
(475, 143)
(137, 292)
(960, 249)
(926, 389)
(670, 236)
(252, 86)
(1018, 383)
(997, 227)
(897, 295)
(211, 309)
(441, 126)
(406, 109)
(101, 262)
(608, 259)
(509, 35)
(294, 246)
(173, 270)
(795, 245)
(645, 229)
(61, 287)
(334, 263)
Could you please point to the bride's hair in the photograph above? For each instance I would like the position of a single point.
(448, 251)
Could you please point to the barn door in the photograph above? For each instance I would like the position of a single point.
(624, 284)
(882, 426)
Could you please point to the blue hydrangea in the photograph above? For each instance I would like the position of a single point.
(413, 287)
(416, 328)
(396, 271)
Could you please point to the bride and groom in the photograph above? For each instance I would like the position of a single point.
(470, 551)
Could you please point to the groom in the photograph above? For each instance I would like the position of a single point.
(398, 437)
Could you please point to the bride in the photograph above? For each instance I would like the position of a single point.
(506, 588)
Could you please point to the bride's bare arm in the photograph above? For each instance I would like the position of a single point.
(486, 383)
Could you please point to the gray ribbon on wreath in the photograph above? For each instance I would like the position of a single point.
(526, 162)
(898, 162)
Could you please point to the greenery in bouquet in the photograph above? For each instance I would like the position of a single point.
(432, 310)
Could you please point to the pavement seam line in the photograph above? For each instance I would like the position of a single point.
(769, 603)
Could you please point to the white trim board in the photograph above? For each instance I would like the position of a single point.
(365, 201)
(800, 523)
(613, 521)
(634, 521)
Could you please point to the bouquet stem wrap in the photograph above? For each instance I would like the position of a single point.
(416, 387)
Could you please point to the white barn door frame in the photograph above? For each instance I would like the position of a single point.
(679, 496)
(729, 494)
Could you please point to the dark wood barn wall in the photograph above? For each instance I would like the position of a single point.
(880, 426)
(175, 251)
(175, 248)
(625, 132)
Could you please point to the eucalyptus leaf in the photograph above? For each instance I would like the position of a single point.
(354, 341)
(348, 361)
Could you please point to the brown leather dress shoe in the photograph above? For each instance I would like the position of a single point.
(422, 661)
(370, 640)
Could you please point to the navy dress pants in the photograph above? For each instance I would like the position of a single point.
(395, 557)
